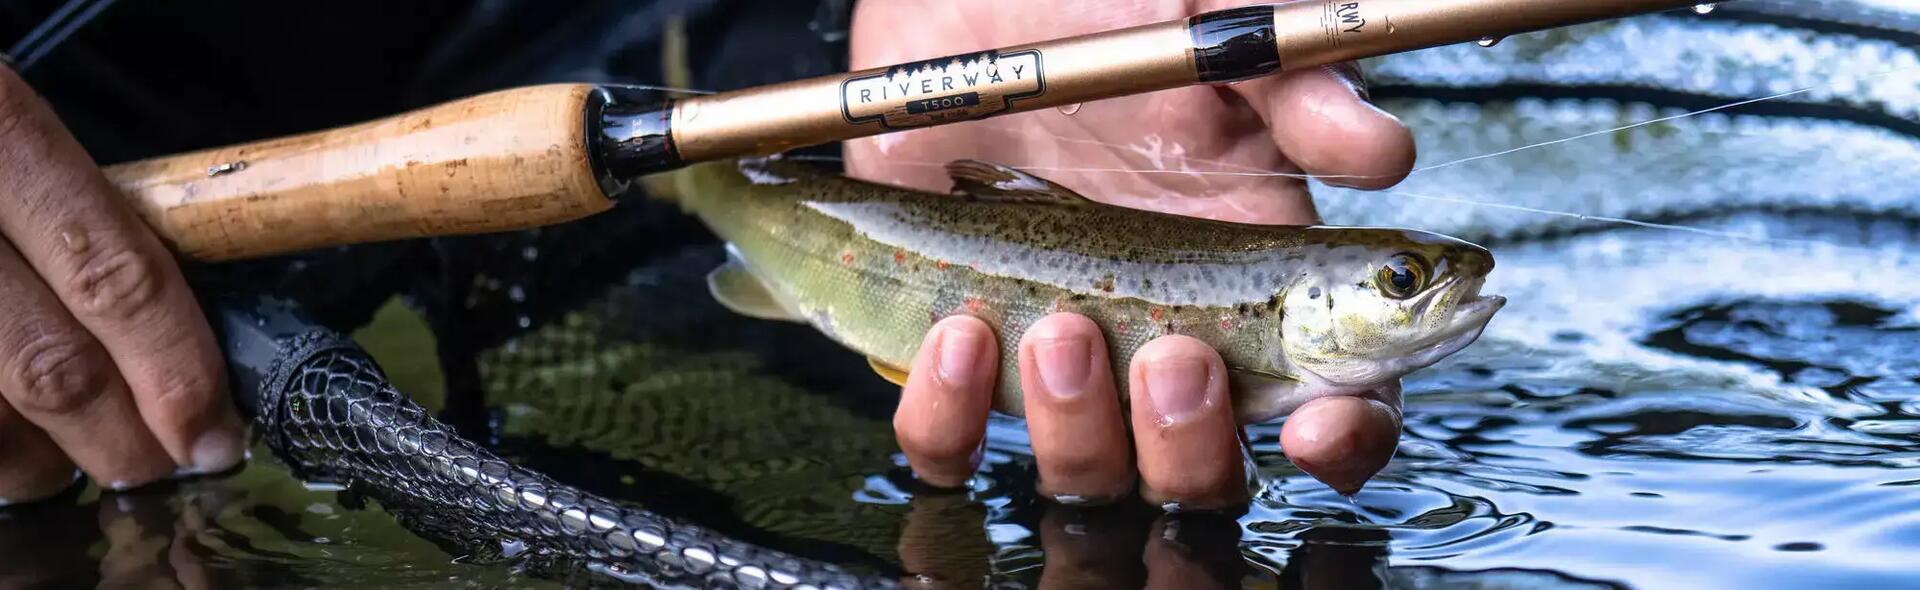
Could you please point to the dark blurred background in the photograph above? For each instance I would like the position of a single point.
(147, 78)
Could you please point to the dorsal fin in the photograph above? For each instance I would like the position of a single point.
(990, 181)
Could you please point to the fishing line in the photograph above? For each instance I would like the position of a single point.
(1251, 172)
(670, 89)
(1447, 164)
(1723, 107)
(1615, 220)
(1702, 231)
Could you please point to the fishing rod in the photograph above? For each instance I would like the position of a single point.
(541, 155)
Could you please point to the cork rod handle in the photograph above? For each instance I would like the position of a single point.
(506, 160)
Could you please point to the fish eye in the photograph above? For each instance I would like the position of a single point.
(1402, 276)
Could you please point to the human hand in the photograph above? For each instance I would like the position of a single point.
(105, 359)
(1315, 121)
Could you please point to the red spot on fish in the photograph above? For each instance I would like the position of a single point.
(1120, 329)
(1104, 283)
(899, 256)
(974, 305)
(1226, 324)
(846, 258)
(1159, 313)
(942, 265)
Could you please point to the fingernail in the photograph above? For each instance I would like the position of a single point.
(959, 354)
(1349, 73)
(217, 450)
(1177, 387)
(1064, 365)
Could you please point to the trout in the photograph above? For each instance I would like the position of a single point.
(1295, 312)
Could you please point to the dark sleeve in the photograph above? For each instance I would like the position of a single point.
(150, 78)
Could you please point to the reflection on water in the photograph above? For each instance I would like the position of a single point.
(1653, 409)
(254, 528)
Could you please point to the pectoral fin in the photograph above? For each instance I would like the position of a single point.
(1259, 397)
(892, 374)
(736, 288)
(990, 181)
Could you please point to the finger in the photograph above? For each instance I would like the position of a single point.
(942, 543)
(187, 556)
(1183, 426)
(119, 282)
(136, 530)
(1343, 441)
(942, 416)
(1092, 548)
(1194, 551)
(1335, 557)
(1322, 121)
(32, 468)
(1073, 413)
(55, 375)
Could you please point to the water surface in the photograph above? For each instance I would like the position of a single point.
(1735, 405)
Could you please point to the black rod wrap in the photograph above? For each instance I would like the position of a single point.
(632, 131)
(1234, 44)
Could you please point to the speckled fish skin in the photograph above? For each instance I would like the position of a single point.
(875, 266)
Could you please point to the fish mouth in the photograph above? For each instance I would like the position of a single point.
(1476, 310)
(1468, 320)
(1462, 329)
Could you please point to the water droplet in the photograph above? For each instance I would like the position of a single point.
(524, 321)
(75, 240)
(530, 253)
(1490, 41)
(517, 294)
(1069, 110)
(511, 547)
(324, 486)
(1703, 8)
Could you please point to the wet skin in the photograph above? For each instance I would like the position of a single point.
(1315, 121)
(106, 363)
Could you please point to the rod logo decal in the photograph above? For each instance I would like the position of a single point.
(944, 90)
(1350, 19)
